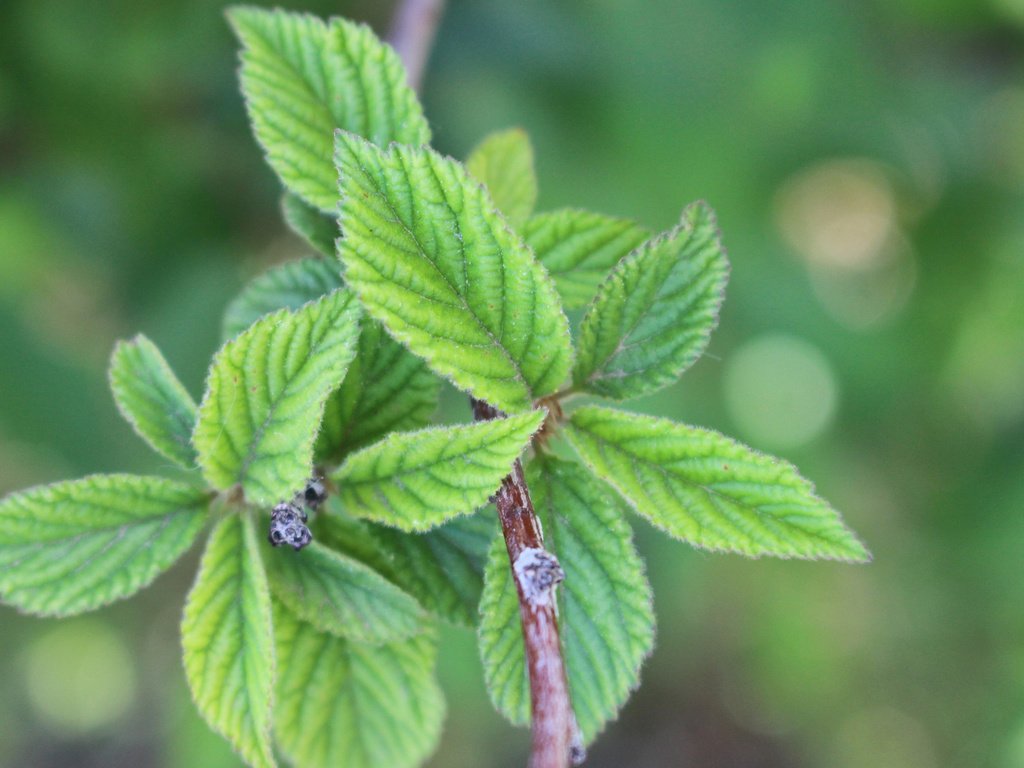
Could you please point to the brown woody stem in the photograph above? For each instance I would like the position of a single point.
(412, 34)
(536, 573)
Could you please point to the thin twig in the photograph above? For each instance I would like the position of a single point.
(412, 34)
(537, 572)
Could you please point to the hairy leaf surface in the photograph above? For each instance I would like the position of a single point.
(386, 389)
(339, 595)
(579, 249)
(432, 259)
(265, 396)
(605, 614)
(74, 546)
(314, 226)
(342, 704)
(653, 315)
(302, 78)
(151, 398)
(287, 286)
(709, 490)
(442, 568)
(503, 162)
(417, 480)
(228, 641)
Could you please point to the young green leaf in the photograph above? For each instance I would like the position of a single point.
(74, 546)
(500, 638)
(386, 389)
(651, 319)
(227, 637)
(441, 568)
(605, 614)
(339, 595)
(503, 162)
(417, 480)
(265, 395)
(713, 492)
(341, 704)
(303, 78)
(151, 398)
(317, 228)
(287, 286)
(432, 259)
(579, 248)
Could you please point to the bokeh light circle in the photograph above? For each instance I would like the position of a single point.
(80, 677)
(780, 391)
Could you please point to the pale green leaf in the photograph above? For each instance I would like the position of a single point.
(287, 286)
(314, 226)
(265, 396)
(579, 249)
(227, 637)
(386, 389)
(503, 162)
(433, 261)
(339, 595)
(337, 530)
(417, 480)
(441, 568)
(500, 638)
(151, 398)
(651, 319)
(303, 78)
(76, 545)
(605, 615)
(709, 490)
(342, 704)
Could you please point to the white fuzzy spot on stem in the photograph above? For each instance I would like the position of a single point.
(537, 572)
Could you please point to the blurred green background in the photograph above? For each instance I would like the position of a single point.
(867, 164)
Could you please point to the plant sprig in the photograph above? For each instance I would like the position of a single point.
(331, 369)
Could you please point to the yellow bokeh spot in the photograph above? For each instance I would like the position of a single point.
(80, 676)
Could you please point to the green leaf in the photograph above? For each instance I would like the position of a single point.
(312, 225)
(265, 396)
(605, 614)
(228, 641)
(74, 546)
(434, 262)
(386, 389)
(503, 162)
(651, 319)
(500, 638)
(152, 400)
(339, 595)
(417, 480)
(579, 248)
(341, 704)
(303, 78)
(441, 568)
(709, 490)
(287, 286)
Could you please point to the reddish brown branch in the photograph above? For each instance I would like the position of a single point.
(536, 572)
(412, 34)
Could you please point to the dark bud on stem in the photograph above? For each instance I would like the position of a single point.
(315, 493)
(288, 526)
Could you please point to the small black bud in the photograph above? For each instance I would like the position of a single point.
(315, 493)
